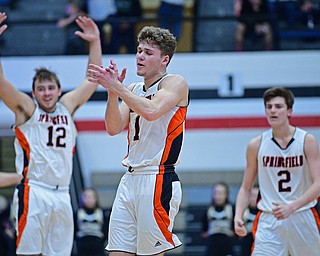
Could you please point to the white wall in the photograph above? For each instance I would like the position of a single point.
(201, 70)
(204, 149)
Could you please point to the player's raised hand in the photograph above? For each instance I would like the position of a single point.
(3, 17)
(89, 30)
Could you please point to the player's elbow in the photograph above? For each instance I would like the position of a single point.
(150, 115)
(112, 131)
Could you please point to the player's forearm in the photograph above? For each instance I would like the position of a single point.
(113, 118)
(142, 106)
(95, 52)
(1, 69)
(311, 194)
(9, 179)
(242, 202)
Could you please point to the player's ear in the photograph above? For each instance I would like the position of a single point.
(166, 59)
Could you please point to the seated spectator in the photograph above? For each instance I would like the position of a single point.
(253, 23)
(123, 26)
(218, 222)
(283, 13)
(91, 225)
(74, 44)
(284, 10)
(309, 13)
(171, 16)
(7, 232)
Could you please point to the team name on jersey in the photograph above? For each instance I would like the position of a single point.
(58, 119)
(279, 161)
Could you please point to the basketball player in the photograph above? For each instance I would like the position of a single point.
(286, 160)
(149, 193)
(45, 142)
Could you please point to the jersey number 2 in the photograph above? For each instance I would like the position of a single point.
(285, 179)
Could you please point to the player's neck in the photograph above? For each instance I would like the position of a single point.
(151, 81)
(283, 133)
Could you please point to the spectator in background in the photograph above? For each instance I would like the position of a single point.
(11, 4)
(100, 11)
(171, 15)
(284, 12)
(123, 25)
(74, 44)
(218, 221)
(248, 218)
(253, 23)
(6, 5)
(91, 225)
(309, 13)
(7, 232)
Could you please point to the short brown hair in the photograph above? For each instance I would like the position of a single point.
(279, 92)
(43, 74)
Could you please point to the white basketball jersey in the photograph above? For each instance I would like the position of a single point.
(44, 146)
(155, 144)
(283, 173)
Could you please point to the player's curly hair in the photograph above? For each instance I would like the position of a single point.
(160, 37)
(44, 74)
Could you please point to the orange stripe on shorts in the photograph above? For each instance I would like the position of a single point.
(159, 212)
(23, 218)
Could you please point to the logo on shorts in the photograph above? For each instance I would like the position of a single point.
(157, 244)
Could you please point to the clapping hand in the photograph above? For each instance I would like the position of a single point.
(107, 77)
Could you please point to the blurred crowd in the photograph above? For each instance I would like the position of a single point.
(257, 21)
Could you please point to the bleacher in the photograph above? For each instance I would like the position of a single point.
(296, 38)
(208, 26)
(32, 29)
(214, 34)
